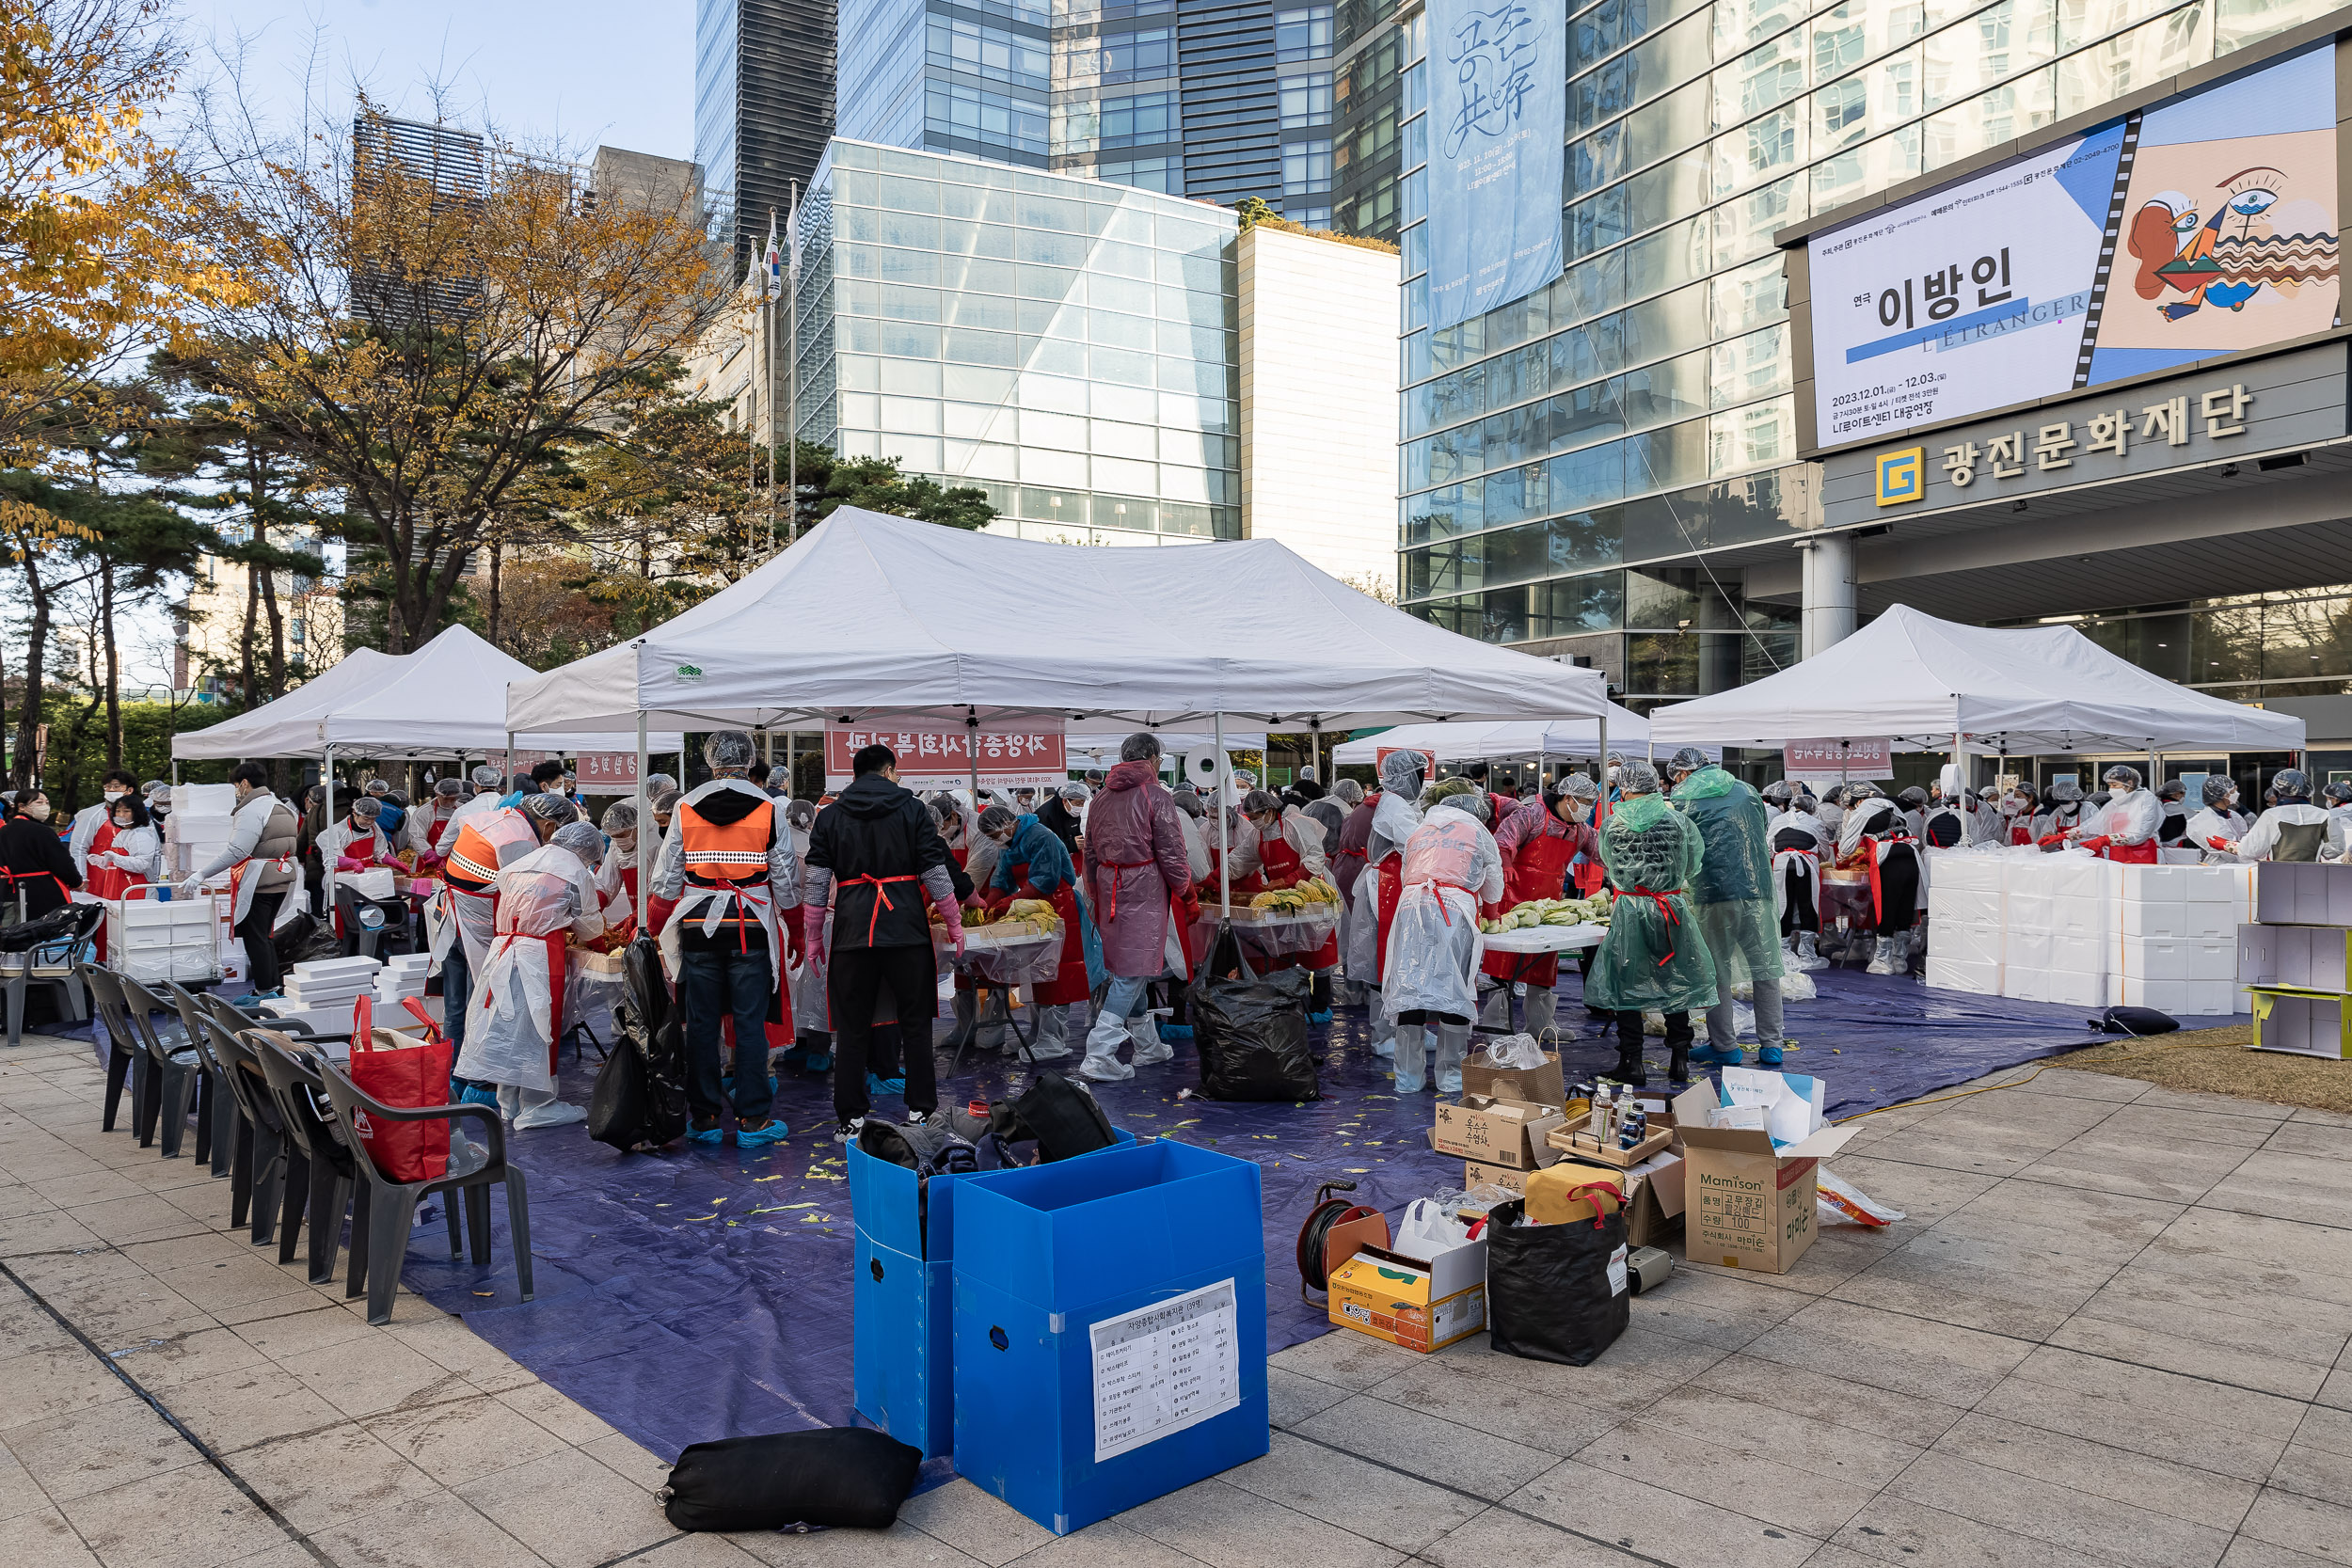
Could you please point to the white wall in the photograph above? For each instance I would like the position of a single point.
(1319, 400)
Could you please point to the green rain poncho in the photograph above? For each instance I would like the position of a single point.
(1653, 956)
(1733, 890)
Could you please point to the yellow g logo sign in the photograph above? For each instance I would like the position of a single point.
(1902, 476)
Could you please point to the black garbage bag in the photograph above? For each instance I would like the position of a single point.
(839, 1478)
(639, 1097)
(2134, 1021)
(1059, 1115)
(1251, 1029)
(1556, 1292)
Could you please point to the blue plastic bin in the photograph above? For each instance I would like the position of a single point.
(1142, 1270)
(902, 1334)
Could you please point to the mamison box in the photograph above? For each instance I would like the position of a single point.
(1747, 1205)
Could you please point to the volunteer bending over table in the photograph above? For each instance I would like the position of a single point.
(547, 902)
(2125, 828)
(1537, 844)
(1394, 819)
(1281, 846)
(1448, 868)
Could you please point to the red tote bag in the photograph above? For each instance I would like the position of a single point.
(407, 1073)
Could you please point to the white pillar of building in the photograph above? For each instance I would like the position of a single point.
(1828, 606)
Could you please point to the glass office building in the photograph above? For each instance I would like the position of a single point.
(762, 107)
(1570, 463)
(1211, 99)
(1067, 345)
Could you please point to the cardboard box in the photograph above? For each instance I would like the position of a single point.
(1541, 1085)
(1496, 1132)
(1414, 1304)
(2310, 892)
(1653, 1197)
(1748, 1205)
(1573, 1141)
(2302, 1023)
(1475, 1175)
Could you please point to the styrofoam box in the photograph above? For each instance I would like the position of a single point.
(2025, 985)
(2151, 958)
(2209, 962)
(2214, 999)
(2165, 996)
(2153, 884)
(1977, 979)
(2079, 916)
(1963, 941)
(358, 964)
(2145, 918)
(1963, 870)
(2075, 955)
(2033, 912)
(2220, 884)
(2209, 921)
(2067, 876)
(2074, 990)
(211, 800)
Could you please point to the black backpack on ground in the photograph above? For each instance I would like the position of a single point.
(639, 1097)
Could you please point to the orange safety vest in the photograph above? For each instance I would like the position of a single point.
(731, 856)
(474, 858)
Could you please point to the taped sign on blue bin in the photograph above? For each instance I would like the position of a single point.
(1164, 1367)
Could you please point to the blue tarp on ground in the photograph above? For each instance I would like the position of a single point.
(701, 1292)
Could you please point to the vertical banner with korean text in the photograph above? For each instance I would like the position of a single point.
(1015, 755)
(1498, 125)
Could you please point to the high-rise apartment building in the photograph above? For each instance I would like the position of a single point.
(1218, 100)
(763, 106)
(1613, 467)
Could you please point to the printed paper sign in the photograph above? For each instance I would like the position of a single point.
(1838, 759)
(1030, 755)
(1165, 1367)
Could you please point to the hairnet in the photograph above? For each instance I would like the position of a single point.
(1470, 801)
(151, 785)
(1139, 747)
(581, 839)
(377, 786)
(656, 782)
(2122, 774)
(1074, 790)
(1188, 802)
(448, 786)
(661, 799)
(2066, 789)
(1260, 803)
(995, 819)
(2291, 781)
(2337, 790)
(801, 813)
(2172, 789)
(366, 808)
(1401, 771)
(1911, 798)
(1637, 778)
(1350, 793)
(548, 808)
(1579, 786)
(2217, 789)
(1777, 793)
(487, 777)
(620, 817)
(728, 749)
(945, 808)
(1690, 759)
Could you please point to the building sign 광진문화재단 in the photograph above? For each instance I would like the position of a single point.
(2202, 226)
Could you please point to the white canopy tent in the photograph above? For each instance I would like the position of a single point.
(1099, 748)
(872, 617)
(1512, 740)
(448, 699)
(1939, 686)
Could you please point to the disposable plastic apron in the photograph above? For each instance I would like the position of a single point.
(754, 897)
(1539, 870)
(1176, 949)
(1454, 902)
(554, 943)
(1069, 983)
(467, 917)
(1281, 861)
(1810, 860)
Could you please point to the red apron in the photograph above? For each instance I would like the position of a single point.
(105, 881)
(1539, 870)
(1069, 983)
(2019, 833)
(1283, 868)
(2133, 854)
(1389, 891)
(1877, 914)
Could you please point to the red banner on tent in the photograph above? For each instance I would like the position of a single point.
(605, 772)
(1028, 754)
(1839, 759)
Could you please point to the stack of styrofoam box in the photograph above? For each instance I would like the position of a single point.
(2174, 946)
(2296, 957)
(401, 977)
(330, 982)
(1967, 920)
(151, 939)
(2058, 921)
(196, 830)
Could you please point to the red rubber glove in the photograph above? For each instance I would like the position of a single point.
(2096, 846)
(658, 913)
(795, 942)
(1490, 912)
(2220, 843)
(2051, 841)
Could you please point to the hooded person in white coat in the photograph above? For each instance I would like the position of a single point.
(1450, 865)
(547, 902)
(2220, 823)
(2292, 829)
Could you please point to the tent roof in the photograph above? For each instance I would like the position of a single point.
(2026, 691)
(1628, 733)
(872, 617)
(446, 699)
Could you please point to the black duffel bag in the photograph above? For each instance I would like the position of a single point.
(639, 1097)
(1556, 1292)
(1251, 1029)
(849, 1478)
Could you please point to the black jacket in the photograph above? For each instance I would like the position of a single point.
(876, 828)
(29, 848)
(1062, 823)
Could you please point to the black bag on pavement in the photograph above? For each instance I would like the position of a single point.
(1251, 1029)
(1556, 1292)
(2134, 1021)
(839, 1478)
(639, 1097)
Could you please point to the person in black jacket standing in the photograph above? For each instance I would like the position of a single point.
(876, 854)
(35, 859)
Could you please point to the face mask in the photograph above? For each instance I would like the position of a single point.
(116, 794)
(38, 811)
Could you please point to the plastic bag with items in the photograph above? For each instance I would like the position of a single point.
(1428, 1230)
(1508, 1052)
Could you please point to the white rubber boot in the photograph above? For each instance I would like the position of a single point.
(1882, 957)
(1052, 1043)
(1411, 1042)
(1149, 1048)
(1902, 954)
(1809, 952)
(1453, 1045)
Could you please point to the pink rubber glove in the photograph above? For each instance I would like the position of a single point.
(951, 916)
(352, 863)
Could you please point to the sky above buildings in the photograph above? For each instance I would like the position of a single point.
(617, 71)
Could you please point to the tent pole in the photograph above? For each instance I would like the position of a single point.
(1600, 763)
(1224, 835)
(1314, 742)
(175, 770)
(972, 756)
(790, 770)
(326, 777)
(644, 823)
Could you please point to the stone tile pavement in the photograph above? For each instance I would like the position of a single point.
(2113, 1331)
